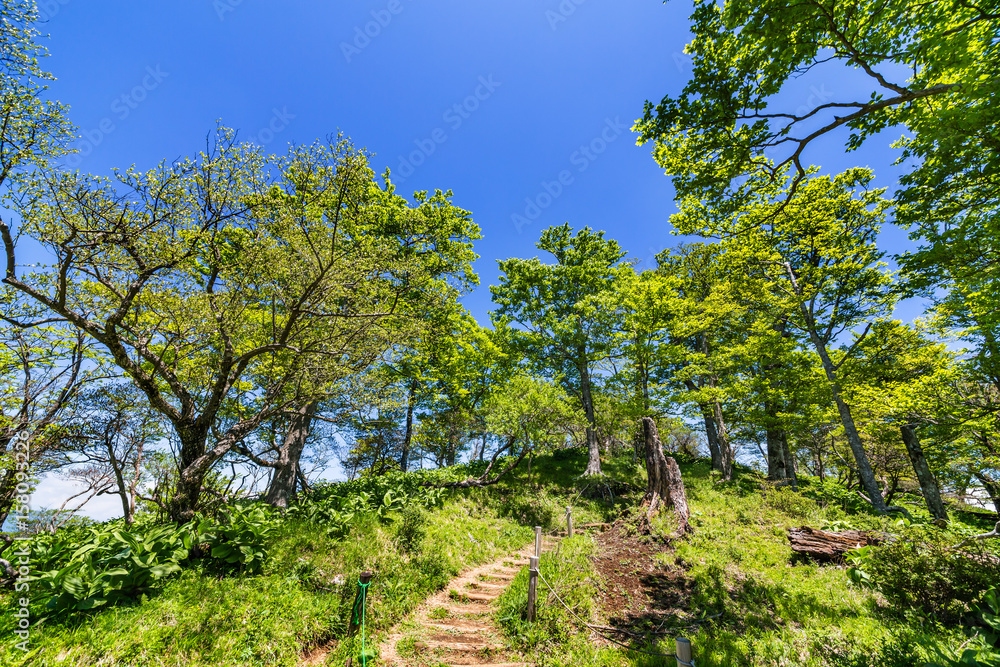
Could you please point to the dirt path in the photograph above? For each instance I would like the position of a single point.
(457, 628)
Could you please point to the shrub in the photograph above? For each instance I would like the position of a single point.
(924, 574)
(410, 533)
(238, 539)
(110, 567)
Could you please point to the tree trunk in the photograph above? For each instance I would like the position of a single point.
(8, 488)
(711, 432)
(192, 468)
(826, 545)
(712, 435)
(664, 486)
(123, 489)
(284, 479)
(777, 462)
(789, 460)
(725, 449)
(775, 456)
(404, 457)
(593, 446)
(928, 485)
(865, 473)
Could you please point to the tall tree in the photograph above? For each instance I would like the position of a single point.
(703, 309)
(235, 278)
(930, 72)
(817, 253)
(561, 314)
(895, 378)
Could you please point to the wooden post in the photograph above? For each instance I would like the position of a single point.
(682, 647)
(359, 599)
(538, 541)
(532, 588)
(569, 521)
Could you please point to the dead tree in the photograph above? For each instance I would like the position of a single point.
(664, 486)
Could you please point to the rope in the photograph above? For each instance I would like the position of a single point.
(364, 599)
(597, 629)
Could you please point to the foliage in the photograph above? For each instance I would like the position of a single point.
(239, 539)
(922, 572)
(746, 53)
(412, 529)
(88, 569)
(337, 506)
(560, 315)
(84, 568)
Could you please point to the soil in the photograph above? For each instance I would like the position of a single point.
(639, 592)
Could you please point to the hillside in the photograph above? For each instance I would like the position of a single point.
(733, 587)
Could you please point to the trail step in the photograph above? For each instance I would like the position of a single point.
(465, 636)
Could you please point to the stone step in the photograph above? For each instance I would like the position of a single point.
(480, 597)
(436, 642)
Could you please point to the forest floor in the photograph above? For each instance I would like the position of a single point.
(637, 591)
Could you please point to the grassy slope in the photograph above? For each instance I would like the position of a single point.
(199, 618)
(772, 612)
(768, 607)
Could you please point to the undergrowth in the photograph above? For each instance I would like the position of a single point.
(251, 587)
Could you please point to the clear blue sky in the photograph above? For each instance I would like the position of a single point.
(542, 88)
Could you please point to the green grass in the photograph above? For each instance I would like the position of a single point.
(765, 607)
(302, 598)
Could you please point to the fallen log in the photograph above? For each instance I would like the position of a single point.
(824, 545)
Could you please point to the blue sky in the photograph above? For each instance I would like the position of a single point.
(521, 107)
(494, 101)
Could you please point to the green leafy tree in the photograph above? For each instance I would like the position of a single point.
(895, 380)
(704, 310)
(527, 414)
(236, 285)
(929, 71)
(560, 312)
(463, 365)
(817, 254)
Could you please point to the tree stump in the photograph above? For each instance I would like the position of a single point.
(828, 546)
(664, 486)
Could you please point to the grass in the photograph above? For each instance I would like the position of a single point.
(301, 600)
(765, 607)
